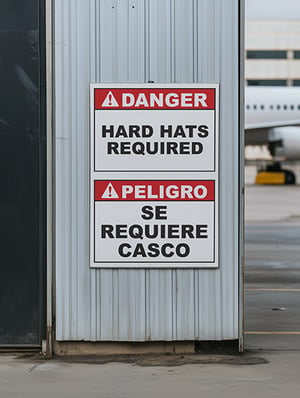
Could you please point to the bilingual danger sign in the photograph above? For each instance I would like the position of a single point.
(154, 198)
(147, 126)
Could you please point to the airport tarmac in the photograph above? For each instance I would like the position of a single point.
(272, 266)
(268, 369)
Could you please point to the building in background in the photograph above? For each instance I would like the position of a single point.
(272, 43)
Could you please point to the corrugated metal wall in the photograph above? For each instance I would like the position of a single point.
(140, 41)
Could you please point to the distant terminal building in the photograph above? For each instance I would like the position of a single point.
(272, 43)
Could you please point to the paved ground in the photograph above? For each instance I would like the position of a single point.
(36, 379)
(272, 275)
(269, 368)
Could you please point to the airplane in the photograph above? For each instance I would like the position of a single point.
(272, 118)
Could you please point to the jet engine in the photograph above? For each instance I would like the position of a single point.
(284, 143)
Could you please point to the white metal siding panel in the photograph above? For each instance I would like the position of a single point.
(159, 304)
(71, 92)
(141, 41)
(159, 48)
(183, 39)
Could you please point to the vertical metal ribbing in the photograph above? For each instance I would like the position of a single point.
(177, 41)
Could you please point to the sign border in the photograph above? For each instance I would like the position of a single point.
(169, 175)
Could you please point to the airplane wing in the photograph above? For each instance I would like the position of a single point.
(256, 136)
(258, 133)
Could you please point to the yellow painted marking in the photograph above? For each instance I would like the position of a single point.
(271, 290)
(279, 333)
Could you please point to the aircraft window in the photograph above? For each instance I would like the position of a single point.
(285, 107)
(269, 54)
(271, 106)
(262, 107)
(298, 106)
(248, 106)
(292, 107)
(278, 106)
(269, 82)
(254, 106)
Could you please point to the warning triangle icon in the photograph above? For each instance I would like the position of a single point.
(110, 192)
(110, 101)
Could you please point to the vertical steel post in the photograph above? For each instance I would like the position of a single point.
(241, 176)
(50, 174)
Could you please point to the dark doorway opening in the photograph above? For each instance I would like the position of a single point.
(22, 173)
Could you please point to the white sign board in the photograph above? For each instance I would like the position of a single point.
(154, 176)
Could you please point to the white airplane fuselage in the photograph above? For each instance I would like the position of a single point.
(272, 117)
(272, 106)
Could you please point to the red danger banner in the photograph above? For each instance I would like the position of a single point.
(121, 98)
(153, 190)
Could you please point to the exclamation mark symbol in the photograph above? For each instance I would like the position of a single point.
(110, 100)
(110, 192)
(110, 195)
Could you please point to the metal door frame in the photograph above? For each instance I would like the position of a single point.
(48, 346)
